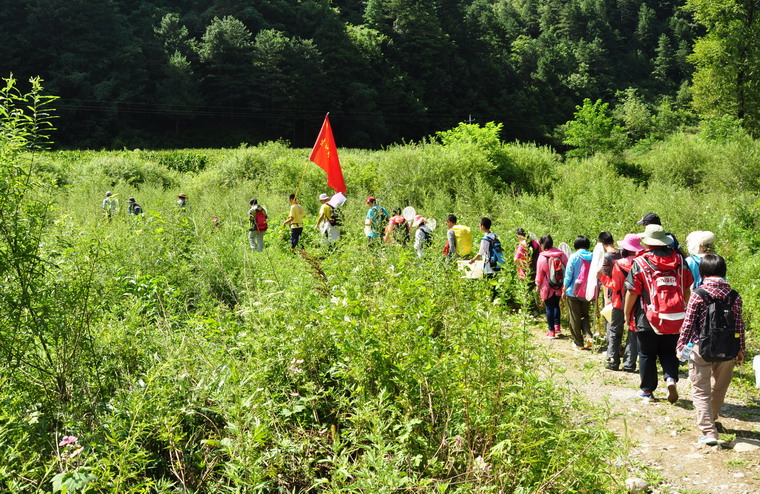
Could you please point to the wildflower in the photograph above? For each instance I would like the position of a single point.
(76, 452)
(480, 465)
(294, 369)
(294, 394)
(67, 440)
(458, 441)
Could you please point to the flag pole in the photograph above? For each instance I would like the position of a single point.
(298, 189)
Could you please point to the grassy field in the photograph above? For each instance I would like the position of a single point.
(183, 361)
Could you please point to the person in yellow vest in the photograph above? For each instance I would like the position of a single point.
(295, 220)
(458, 239)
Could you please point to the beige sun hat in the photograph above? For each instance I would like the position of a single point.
(655, 236)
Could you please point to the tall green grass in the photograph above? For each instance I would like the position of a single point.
(210, 368)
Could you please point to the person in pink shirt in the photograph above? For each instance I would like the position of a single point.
(550, 270)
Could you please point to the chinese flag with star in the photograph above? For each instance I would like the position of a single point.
(325, 155)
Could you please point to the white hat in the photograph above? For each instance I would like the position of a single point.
(323, 197)
(418, 220)
(698, 243)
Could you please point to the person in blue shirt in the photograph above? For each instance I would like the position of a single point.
(377, 218)
(574, 291)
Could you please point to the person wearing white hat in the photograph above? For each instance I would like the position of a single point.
(423, 237)
(330, 232)
(698, 244)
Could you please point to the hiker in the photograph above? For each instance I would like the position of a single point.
(423, 238)
(611, 254)
(491, 253)
(375, 222)
(712, 307)
(654, 219)
(397, 232)
(616, 329)
(658, 286)
(110, 205)
(574, 290)
(182, 201)
(295, 220)
(550, 273)
(133, 209)
(325, 220)
(698, 244)
(604, 275)
(526, 256)
(458, 239)
(258, 218)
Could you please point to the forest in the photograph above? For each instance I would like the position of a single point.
(179, 73)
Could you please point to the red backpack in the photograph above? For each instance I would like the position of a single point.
(260, 221)
(665, 307)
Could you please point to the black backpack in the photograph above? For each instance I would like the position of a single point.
(718, 340)
(136, 209)
(428, 241)
(336, 216)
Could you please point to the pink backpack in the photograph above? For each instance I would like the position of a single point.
(581, 282)
(665, 308)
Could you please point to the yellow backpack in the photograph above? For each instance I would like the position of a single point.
(463, 236)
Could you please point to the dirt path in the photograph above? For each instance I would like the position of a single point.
(663, 436)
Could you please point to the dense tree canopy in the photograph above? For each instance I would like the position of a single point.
(217, 72)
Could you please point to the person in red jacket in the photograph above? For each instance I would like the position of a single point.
(658, 288)
(629, 247)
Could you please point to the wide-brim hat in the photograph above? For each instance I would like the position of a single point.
(418, 220)
(631, 243)
(655, 236)
(182, 196)
(323, 197)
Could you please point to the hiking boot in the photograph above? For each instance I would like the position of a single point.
(612, 366)
(672, 390)
(589, 344)
(557, 331)
(646, 397)
(579, 348)
(628, 369)
(551, 335)
(710, 441)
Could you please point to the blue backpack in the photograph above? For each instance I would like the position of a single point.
(495, 253)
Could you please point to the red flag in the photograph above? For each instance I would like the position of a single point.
(325, 155)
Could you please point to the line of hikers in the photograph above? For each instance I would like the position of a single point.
(110, 205)
(380, 227)
(661, 303)
(646, 285)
